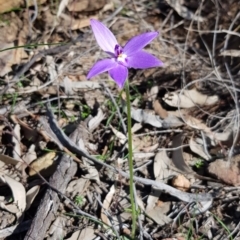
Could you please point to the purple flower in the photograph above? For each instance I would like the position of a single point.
(130, 56)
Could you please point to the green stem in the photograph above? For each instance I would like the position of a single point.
(130, 160)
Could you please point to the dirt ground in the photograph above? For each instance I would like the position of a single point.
(64, 152)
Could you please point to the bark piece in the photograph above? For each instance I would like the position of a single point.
(48, 207)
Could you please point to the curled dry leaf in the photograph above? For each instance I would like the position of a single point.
(189, 98)
(19, 196)
(121, 137)
(95, 121)
(143, 116)
(198, 149)
(93, 174)
(31, 194)
(182, 183)
(106, 203)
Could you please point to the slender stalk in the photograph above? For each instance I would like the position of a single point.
(130, 160)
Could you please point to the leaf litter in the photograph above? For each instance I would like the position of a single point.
(185, 123)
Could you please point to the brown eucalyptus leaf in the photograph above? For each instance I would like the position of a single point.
(45, 165)
(159, 109)
(181, 182)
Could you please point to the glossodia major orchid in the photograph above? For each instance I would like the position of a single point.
(131, 55)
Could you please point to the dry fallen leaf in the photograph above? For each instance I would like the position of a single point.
(78, 186)
(85, 5)
(142, 116)
(95, 121)
(19, 196)
(198, 149)
(16, 143)
(6, 6)
(9, 160)
(106, 203)
(184, 12)
(57, 229)
(189, 98)
(31, 194)
(45, 165)
(159, 109)
(163, 167)
(92, 174)
(157, 211)
(86, 233)
(182, 183)
(191, 121)
(231, 53)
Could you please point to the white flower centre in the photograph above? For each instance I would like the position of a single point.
(122, 58)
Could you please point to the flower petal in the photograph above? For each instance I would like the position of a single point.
(143, 60)
(101, 67)
(104, 36)
(139, 42)
(119, 75)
